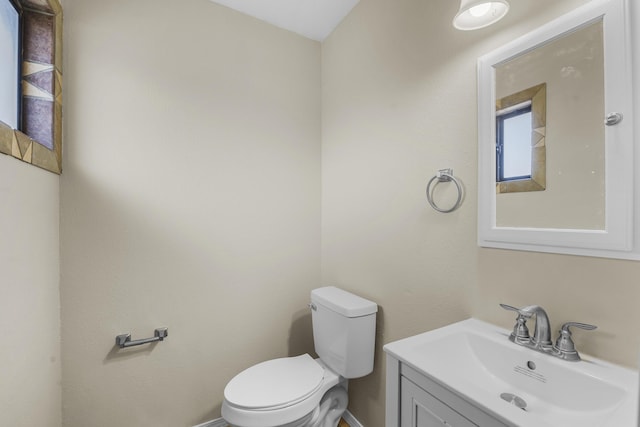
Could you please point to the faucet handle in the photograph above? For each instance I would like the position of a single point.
(565, 347)
(584, 326)
(520, 311)
(520, 334)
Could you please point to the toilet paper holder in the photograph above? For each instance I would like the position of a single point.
(124, 340)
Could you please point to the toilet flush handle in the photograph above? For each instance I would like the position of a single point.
(312, 306)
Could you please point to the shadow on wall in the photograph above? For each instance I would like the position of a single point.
(118, 353)
(301, 334)
(370, 389)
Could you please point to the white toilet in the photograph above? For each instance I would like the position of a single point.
(300, 391)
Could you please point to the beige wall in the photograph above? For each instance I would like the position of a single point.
(30, 299)
(399, 103)
(190, 199)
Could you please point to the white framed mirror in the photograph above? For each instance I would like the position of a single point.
(577, 196)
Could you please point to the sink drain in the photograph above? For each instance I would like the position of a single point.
(514, 400)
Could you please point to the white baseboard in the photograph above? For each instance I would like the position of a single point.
(351, 420)
(213, 423)
(348, 417)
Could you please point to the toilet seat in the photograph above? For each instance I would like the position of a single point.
(277, 392)
(275, 384)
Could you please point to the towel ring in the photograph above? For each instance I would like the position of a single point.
(444, 175)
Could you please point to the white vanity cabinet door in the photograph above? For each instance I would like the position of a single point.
(421, 409)
(415, 400)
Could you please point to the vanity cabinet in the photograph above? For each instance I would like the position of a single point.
(468, 374)
(414, 400)
(419, 408)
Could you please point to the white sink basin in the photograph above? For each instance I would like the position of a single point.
(477, 361)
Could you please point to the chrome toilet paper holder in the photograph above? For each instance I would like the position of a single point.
(124, 340)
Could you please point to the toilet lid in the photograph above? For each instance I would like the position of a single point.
(275, 383)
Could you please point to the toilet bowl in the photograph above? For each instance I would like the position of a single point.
(283, 392)
(301, 391)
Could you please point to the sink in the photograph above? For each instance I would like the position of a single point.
(476, 361)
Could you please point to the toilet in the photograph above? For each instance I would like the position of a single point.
(301, 391)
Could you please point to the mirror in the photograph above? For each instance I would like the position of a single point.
(571, 68)
(552, 176)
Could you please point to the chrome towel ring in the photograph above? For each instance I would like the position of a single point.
(444, 175)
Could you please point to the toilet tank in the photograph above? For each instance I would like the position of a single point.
(344, 330)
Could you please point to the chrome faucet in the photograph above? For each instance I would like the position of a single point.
(564, 347)
(542, 332)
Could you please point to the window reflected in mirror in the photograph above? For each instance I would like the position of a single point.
(521, 127)
(513, 145)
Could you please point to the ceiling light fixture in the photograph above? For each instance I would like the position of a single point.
(475, 14)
